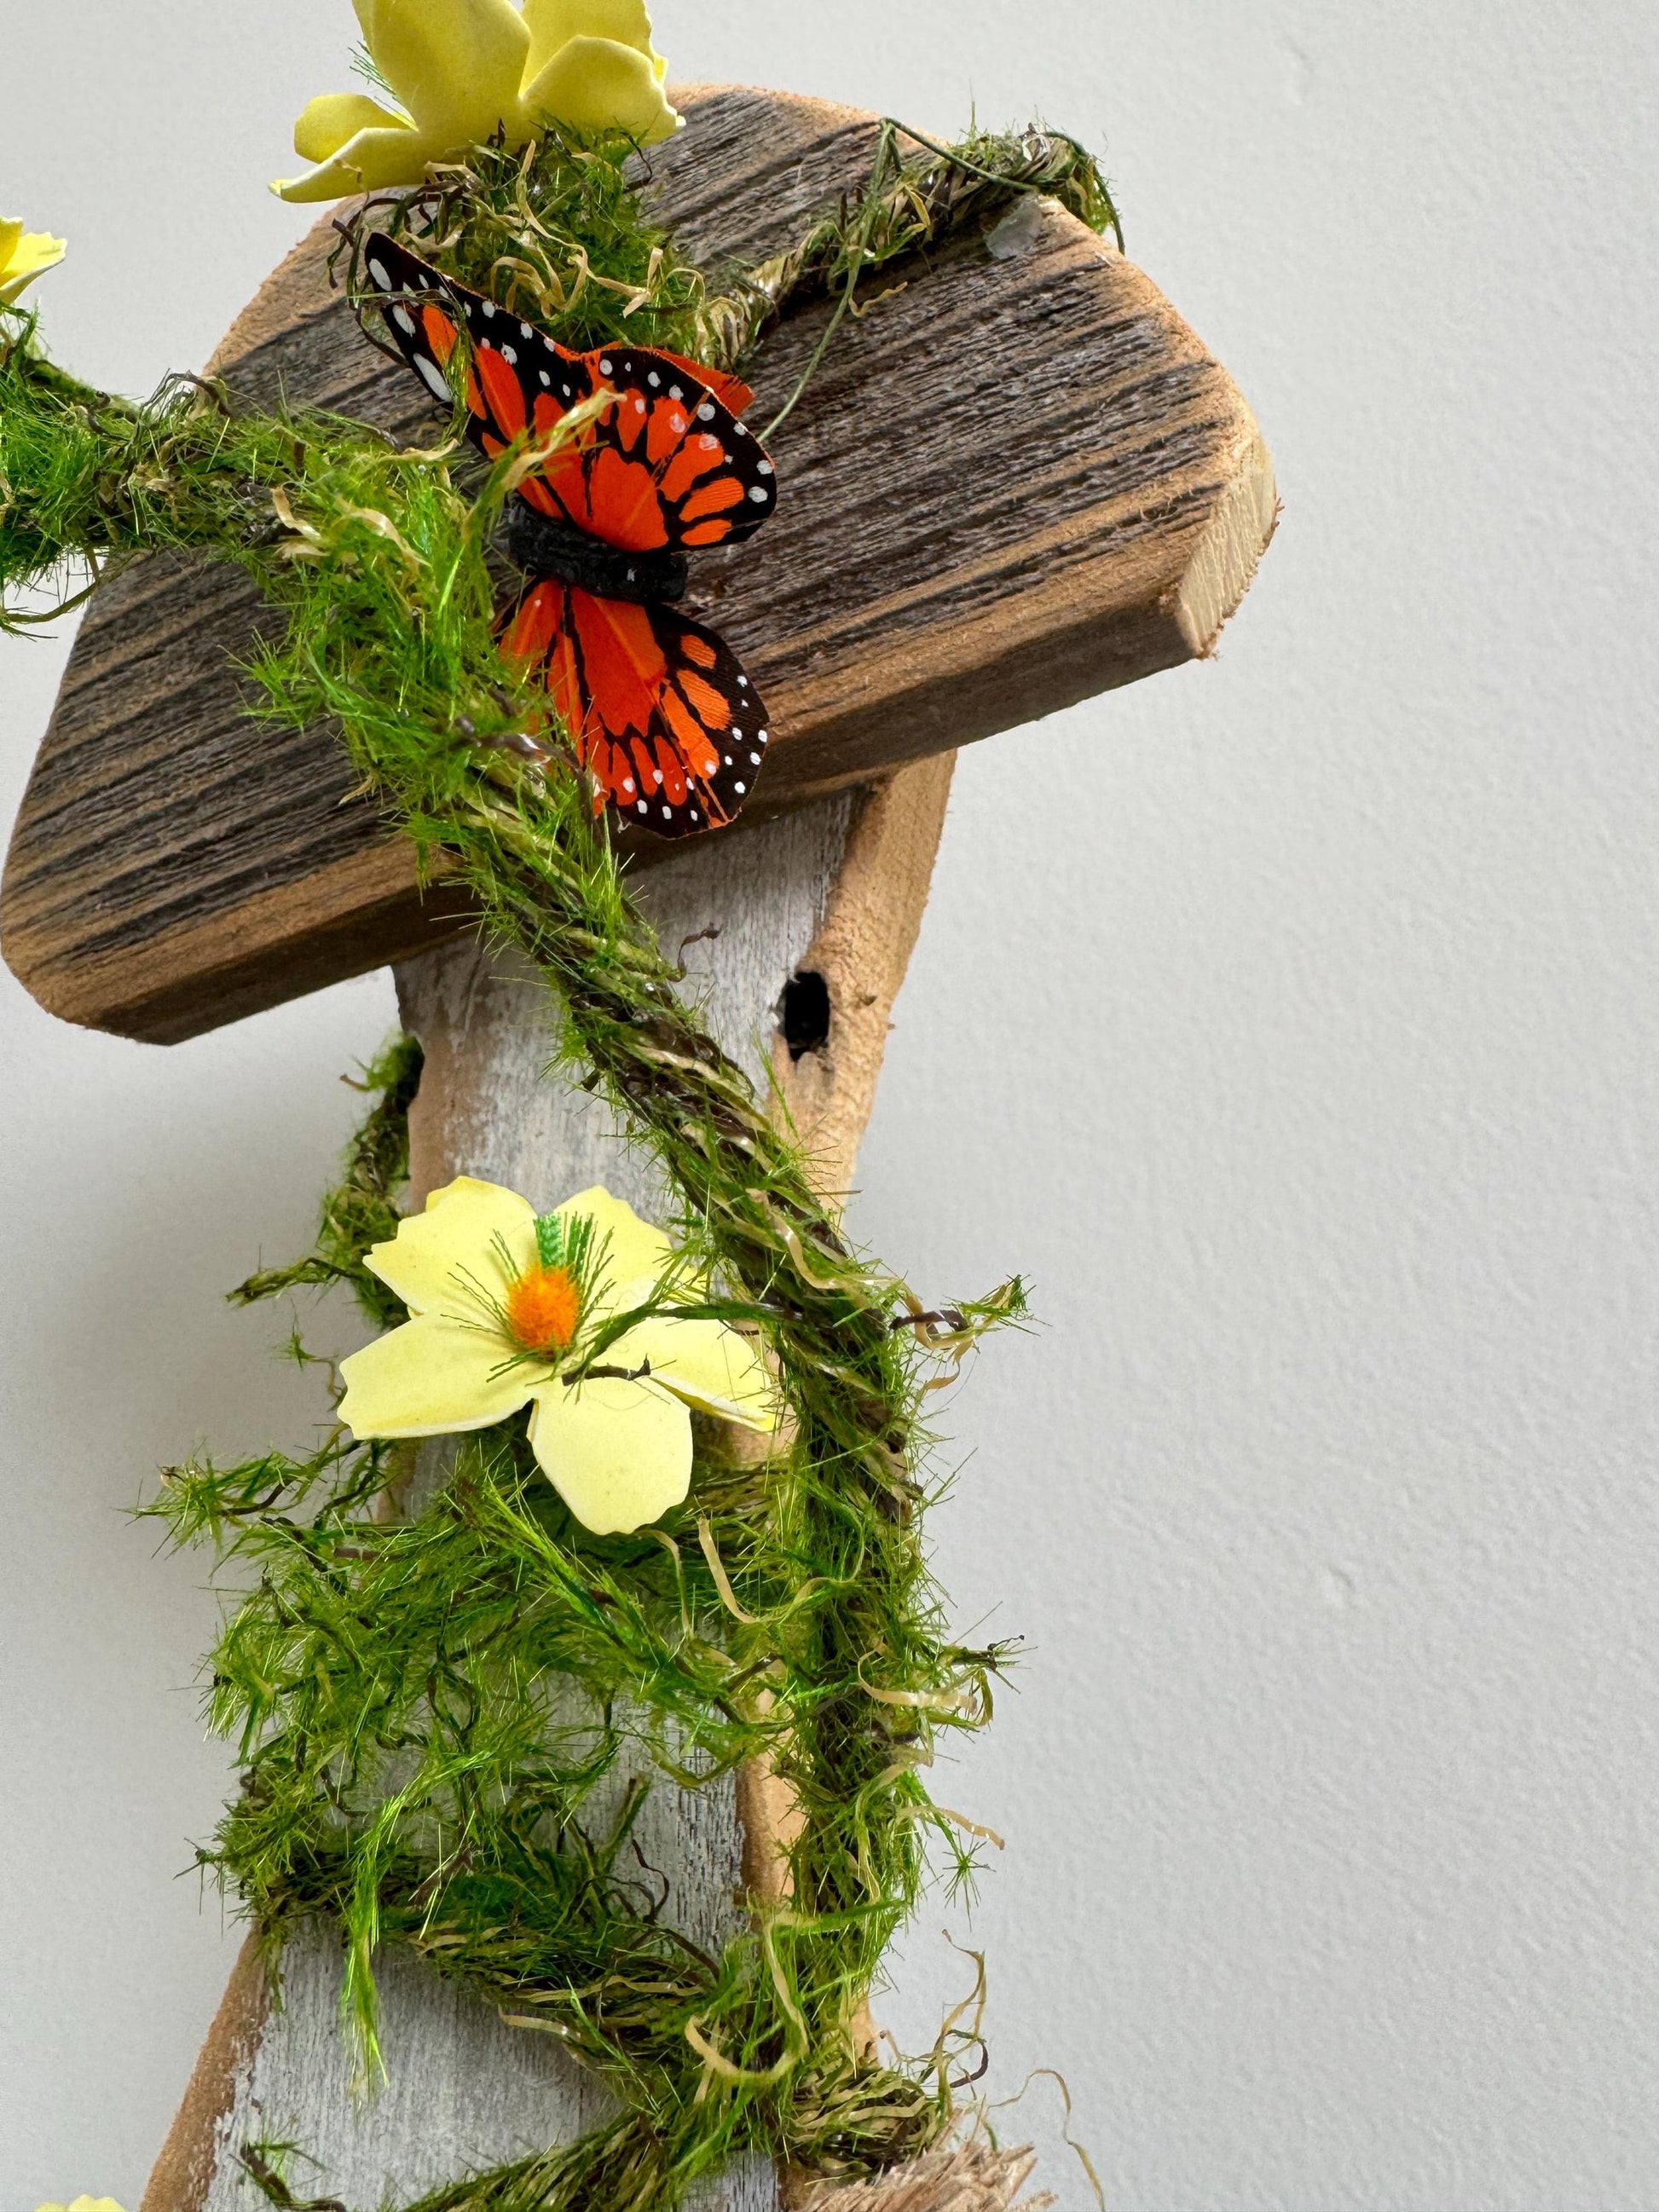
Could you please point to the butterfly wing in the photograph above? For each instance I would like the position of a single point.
(660, 709)
(732, 392)
(517, 377)
(670, 468)
(667, 468)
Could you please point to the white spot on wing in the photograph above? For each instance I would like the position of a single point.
(404, 321)
(433, 376)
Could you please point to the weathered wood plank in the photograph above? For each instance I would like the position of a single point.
(841, 884)
(1019, 480)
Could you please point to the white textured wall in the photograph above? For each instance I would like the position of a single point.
(1313, 1081)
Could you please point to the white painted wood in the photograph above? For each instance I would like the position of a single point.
(840, 886)
(466, 2091)
(463, 2090)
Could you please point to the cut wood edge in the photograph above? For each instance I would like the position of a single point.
(862, 950)
(184, 2172)
(1230, 551)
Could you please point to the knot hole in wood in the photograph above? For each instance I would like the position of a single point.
(805, 1012)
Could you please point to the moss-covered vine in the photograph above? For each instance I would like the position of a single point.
(401, 1690)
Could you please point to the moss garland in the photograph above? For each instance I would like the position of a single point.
(400, 1690)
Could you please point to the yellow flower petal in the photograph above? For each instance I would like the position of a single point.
(31, 253)
(639, 1254)
(11, 231)
(594, 84)
(372, 162)
(432, 1378)
(619, 1453)
(334, 119)
(34, 252)
(85, 2204)
(705, 1363)
(429, 1262)
(554, 23)
(455, 64)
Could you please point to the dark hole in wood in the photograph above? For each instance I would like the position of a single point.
(804, 1013)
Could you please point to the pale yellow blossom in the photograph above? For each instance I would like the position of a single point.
(506, 1308)
(465, 70)
(85, 2204)
(23, 255)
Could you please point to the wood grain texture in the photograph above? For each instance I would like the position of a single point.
(862, 949)
(1017, 480)
(467, 2090)
(184, 2172)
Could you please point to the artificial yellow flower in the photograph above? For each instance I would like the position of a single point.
(85, 2204)
(23, 255)
(466, 69)
(506, 1309)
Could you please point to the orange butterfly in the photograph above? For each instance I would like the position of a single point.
(661, 712)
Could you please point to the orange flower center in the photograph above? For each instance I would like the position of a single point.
(543, 1308)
